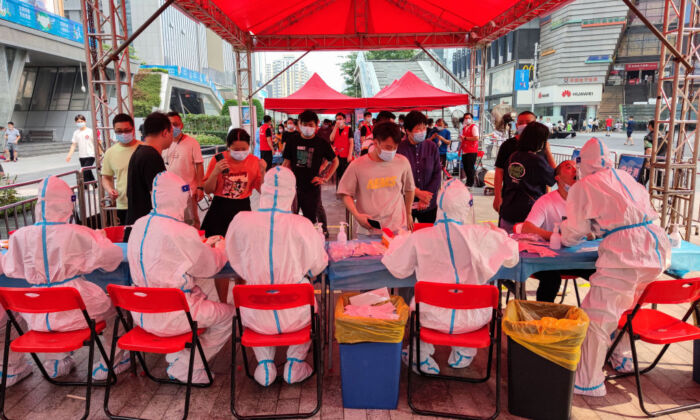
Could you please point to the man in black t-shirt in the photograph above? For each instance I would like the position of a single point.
(508, 148)
(146, 162)
(304, 155)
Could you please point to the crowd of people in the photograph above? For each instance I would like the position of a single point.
(389, 176)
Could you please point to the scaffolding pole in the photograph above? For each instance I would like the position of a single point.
(673, 176)
(244, 85)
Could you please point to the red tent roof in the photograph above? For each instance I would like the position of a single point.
(410, 92)
(316, 95)
(275, 25)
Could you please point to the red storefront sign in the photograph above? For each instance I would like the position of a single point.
(641, 66)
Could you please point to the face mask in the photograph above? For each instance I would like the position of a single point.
(81, 124)
(290, 127)
(368, 120)
(124, 138)
(308, 131)
(467, 121)
(520, 128)
(419, 137)
(566, 187)
(176, 131)
(401, 123)
(279, 130)
(239, 154)
(341, 124)
(387, 155)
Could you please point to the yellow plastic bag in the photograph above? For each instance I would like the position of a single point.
(550, 330)
(357, 329)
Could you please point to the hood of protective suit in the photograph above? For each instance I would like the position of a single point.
(170, 194)
(55, 202)
(594, 157)
(455, 202)
(278, 189)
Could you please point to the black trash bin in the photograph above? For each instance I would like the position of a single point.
(544, 347)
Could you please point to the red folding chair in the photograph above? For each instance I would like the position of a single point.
(655, 327)
(153, 300)
(268, 298)
(40, 300)
(457, 296)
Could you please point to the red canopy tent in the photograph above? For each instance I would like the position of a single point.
(410, 92)
(302, 25)
(316, 95)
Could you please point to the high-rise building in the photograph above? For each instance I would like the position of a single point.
(289, 81)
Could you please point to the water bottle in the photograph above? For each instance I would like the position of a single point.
(675, 237)
(555, 239)
(319, 229)
(342, 237)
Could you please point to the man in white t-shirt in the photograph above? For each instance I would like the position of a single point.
(548, 211)
(184, 158)
(83, 139)
(379, 185)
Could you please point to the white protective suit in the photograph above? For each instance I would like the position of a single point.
(71, 251)
(633, 253)
(166, 252)
(274, 246)
(455, 250)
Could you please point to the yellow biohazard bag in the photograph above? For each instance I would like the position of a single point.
(550, 330)
(356, 329)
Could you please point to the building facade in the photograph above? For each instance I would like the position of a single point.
(288, 82)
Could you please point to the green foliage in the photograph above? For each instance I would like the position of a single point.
(209, 140)
(146, 92)
(203, 124)
(8, 195)
(347, 68)
(390, 55)
(259, 111)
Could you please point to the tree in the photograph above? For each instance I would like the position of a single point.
(352, 85)
(259, 111)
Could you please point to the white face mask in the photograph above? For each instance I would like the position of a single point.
(387, 155)
(239, 154)
(467, 121)
(290, 127)
(341, 124)
(307, 131)
(520, 128)
(419, 137)
(81, 124)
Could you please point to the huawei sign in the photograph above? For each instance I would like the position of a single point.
(566, 93)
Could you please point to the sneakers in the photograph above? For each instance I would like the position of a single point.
(59, 367)
(459, 359)
(266, 372)
(100, 371)
(19, 375)
(427, 365)
(296, 370)
(594, 391)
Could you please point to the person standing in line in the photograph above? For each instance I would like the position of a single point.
(266, 146)
(146, 162)
(470, 147)
(304, 155)
(83, 139)
(424, 158)
(442, 139)
(277, 141)
(116, 163)
(630, 130)
(344, 148)
(12, 138)
(184, 158)
(608, 126)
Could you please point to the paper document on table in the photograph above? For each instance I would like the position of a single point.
(588, 249)
(371, 298)
(542, 251)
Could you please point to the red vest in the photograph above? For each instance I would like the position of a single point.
(342, 142)
(264, 147)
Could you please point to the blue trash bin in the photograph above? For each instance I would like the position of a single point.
(370, 374)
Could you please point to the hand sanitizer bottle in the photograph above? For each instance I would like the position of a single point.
(342, 237)
(555, 239)
(675, 237)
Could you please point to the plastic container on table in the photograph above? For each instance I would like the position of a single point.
(370, 356)
(544, 348)
(115, 233)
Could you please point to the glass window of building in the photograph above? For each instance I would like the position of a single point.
(63, 88)
(43, 88)
(26, 89)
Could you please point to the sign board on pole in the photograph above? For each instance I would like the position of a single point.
(247, 116)
(522, 79)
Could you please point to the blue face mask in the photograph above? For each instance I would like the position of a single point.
(387, 155)
(566, 187)
(419, 137)
(176, 131)
(124, 138)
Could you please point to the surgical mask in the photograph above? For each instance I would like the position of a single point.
(341, 124)
(308, 131)
(124, 138)
(520, 128)
(239, 154)
(290, 127)
(387, 155)
(279, 130)
(566, 187)
(467, 121)
(419, 137)
(368, 120)
(177, 131)
(81, 124)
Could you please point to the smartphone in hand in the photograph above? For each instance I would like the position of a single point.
(375, 224)
(219, 157)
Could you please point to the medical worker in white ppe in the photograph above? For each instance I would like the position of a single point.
(166, 252)
(455, 250)
(71, 251)
(633, 253)
(274, 246)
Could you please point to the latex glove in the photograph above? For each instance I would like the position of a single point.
(220, 245)
(213, 240)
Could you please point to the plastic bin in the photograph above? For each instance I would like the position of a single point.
(544, 348)
(370, 356)
(370, 374)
